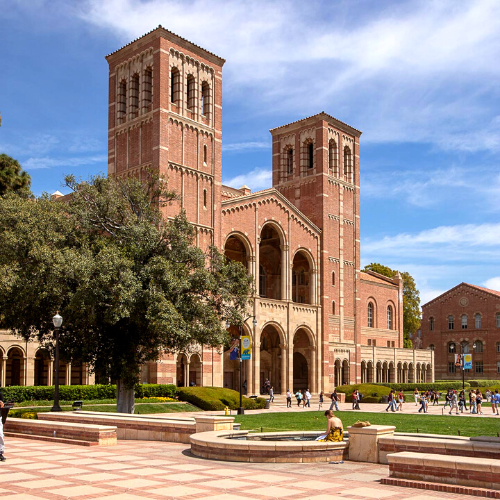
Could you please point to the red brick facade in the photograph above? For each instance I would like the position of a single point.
(299, 239)
(466, 314)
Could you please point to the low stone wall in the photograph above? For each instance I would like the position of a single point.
(215, 445)
(76, 433)
(477, 447)
(478, 472)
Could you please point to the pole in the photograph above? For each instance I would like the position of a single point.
(241, 410)
(56, 406)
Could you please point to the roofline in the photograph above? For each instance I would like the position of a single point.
(211, 55)
(382, 277)
(278, 195)
(327, 117)
(482, 289)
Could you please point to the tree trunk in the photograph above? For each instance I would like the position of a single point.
(125, 398)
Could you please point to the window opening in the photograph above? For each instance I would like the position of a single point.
(204, 198)
(205, 154)
(205, 98)
(333, 278)
(333, 156)
(479, 346)
(333, 307)
(310, 155)
(289, 161)
(134, 96)
(431, 324)
(464, 321)
(175, 82)
(147, 90)
(451, 347)
(389, 318)
(190, 92)
(348, 164)
(370, 315)
(451, 324)
(122, 101)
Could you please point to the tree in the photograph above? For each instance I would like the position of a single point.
(12, 177)
(411, 300)
(129, 285)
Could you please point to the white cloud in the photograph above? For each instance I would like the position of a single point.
(237, 147)
(257, 179)
(412, 71)
(493, 283)
(47, 162)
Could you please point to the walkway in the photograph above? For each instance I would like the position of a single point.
(136, 470)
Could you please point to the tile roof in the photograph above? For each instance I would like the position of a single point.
(487, 290)
(160, 27)
(326, 116)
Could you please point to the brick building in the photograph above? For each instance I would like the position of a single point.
(465, 315)
(320, 320)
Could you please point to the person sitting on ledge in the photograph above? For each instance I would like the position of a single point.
(334, 430)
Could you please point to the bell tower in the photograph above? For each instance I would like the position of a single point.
(165, 113)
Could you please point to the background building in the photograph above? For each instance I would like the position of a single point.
(468, 317)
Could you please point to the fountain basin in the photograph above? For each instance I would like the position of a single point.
(278, 447)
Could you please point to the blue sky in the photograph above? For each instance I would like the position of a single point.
(421, 79)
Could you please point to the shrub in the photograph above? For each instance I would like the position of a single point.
(428, 386)
(217, 398)
(371, 393)
(484, 383)
(23, 413)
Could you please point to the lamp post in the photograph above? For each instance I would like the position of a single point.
(57, 320)
(463, 345)
(241, 410)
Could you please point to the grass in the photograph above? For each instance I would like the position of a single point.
(23, 404)
(426, 424)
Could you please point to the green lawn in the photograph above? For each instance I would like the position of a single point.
(425, 423)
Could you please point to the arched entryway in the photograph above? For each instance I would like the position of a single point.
(302, 279)
(345, 372)
(272, 362)
(303, 361)
(237, 249)
(270, 263)
(182, 366)
(411, 373)
(232, 360)
(43, 366)
(15, 367)
(370, 372)
(195, 371)
(364, 372)
(428, 373)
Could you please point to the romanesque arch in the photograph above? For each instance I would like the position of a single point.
(303, 282)
(239, 249)
(272, 241)
(43, 366)
(304, 359)
(16, 362)
(272, 361)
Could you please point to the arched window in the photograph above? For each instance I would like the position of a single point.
(205, 98)
(190, 84)
(289, 161)
(175, 86)
(431, 347)
(498, 320)
(479, 346)
(310, 155)
(333, 307)
(463, 320)
(205, 154)
(204, 198)
(370, 314)
(451, 322)
(431, 323)
(498, 346)
(147, 90)
(348, 164)
(333, 158)
(122, 102)
(465, 348)
(498, 366)
(134, 96)
(477, 321)
(389, 317)
(452, 347)
(333, 278)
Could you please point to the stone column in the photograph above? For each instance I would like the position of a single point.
(186, 376)
(290, 365)
(314, 378)
(284, 260)
(283, 381)
(257, 368)
(363, 442)
(50, 374)
(29, 374)
(4, 372)
(68, 374)
(313, 286)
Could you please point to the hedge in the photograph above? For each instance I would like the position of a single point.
(82, 392)
(372, 393)
(217, 398)
(427, 386)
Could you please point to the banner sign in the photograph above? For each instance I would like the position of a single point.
(458, 360)
(246, 347)
(467, 361)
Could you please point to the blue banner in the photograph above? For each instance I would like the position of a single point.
(467, 361)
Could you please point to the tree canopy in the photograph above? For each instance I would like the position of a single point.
(12, 177)
(411, 299)
(128, 284)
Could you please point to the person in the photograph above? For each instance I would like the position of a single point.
(447, 399)
(479, 401)
(495, 402)
(320, 400)
(334, 429)
(488, 395)
(462, 403)
(2, 440)
(335, 400)
(401, 399)
(473, 403)
(416, 396)
(244, 385)
(298, 395)
(288, 398)
(422, 403)
(271, 394)
(358, 399)
(307, 399)
(267, 385)
(436, 397)
(454, 403)
(390, 400)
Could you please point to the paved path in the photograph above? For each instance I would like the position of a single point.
(135, 470)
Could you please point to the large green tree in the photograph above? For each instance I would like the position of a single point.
(13, 177)
(411, 299)
(129, 285)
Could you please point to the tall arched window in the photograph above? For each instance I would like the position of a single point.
(477, 321)
(463, 320)
(333, 158)
(121, 112)
(431, 347)
(205, 154)
(289, 161)
(333, 278)
(431, 323)
(175, 86)
(333, 307)
(205, 98)
(310, 155)
(147, 90)
(389, 317)
(348, 164)
(451, 322)
(465, 348)
(479, 346)
(451, 347)
(204, 198)
(370, 314)
(190, 90)
(498, 346)
(134, 96)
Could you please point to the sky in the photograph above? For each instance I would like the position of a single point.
(421, 79)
